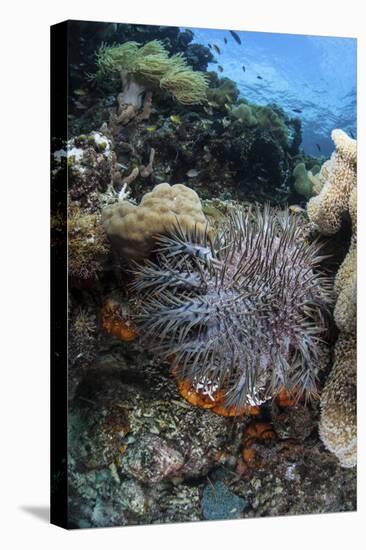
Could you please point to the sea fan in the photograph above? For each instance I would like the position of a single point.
(244, 311)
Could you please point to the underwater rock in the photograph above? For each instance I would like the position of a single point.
(91, 167)
(293, 422)
(218, 502)
(133, 497)
(295, 478)
(151, 459)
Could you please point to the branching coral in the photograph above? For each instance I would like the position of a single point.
(338, 428)
(87, 243)
(243, 313)
(132, 228)
(144, 66)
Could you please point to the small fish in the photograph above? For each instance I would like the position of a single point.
(151, 129)
(260, 77)
(225, 39)
(318, 146)
(212, 104)
(80, 92)
(192, 173)
(221, 69)
(235, 36)
(210, 46)
(71, 117)
(175, 119)
(243, 67)
(227, 107)
(297, 110)
(229, 98)
(217, 49)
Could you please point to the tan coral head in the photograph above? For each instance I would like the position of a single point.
(132, 228)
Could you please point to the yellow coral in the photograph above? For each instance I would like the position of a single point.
(131, 228)
(327, 209)
(338, 426)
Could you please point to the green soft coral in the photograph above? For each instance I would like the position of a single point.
(151, 64)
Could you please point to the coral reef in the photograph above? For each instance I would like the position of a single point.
(336, 201)
(116, 321)
(126, 402)
(327, 209)
(91, 166)
(132, 228)
(338, 427)
(88, 244)
(306, 182)
(199, 294)
(221, 92)
(142, 67)
(345, 281)
(243, 313)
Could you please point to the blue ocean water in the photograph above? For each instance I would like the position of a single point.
(313, 74)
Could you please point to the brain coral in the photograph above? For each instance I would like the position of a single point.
(338, 404)
(131, 228)
(327, 209)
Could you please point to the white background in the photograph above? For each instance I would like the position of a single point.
(24, 269)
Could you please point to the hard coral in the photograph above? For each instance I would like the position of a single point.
(244, 312)
(88, 244)
(345, 282)
(336, 200)
(338, 425)
(327, 209)
(132, 228)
